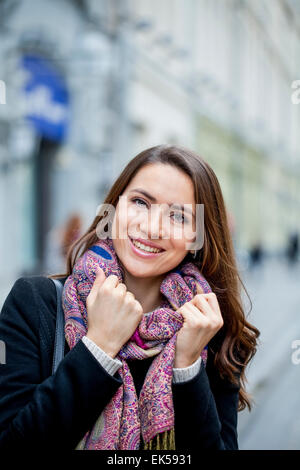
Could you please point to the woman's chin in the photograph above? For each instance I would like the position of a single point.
(138, 269)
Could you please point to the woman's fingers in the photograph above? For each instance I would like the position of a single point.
(212, 300)
(102, 283)
(111, 281)
(98, 281)
(193, 317)
(209, 306)
(200, 302)
(122, 287)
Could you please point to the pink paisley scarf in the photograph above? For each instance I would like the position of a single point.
(126, 419)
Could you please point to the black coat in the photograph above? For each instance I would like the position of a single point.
(39, 410)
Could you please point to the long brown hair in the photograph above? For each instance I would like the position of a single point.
(236, 342)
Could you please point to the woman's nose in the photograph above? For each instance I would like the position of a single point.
(155, 224)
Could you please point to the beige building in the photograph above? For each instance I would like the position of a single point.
(217, 76)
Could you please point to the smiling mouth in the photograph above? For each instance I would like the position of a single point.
(146, 248)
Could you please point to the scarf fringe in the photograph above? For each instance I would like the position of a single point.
(162, 441)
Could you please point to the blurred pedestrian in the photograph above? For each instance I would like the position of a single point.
(71, 233)
(58, 241)
(256, 254)
(293, 247)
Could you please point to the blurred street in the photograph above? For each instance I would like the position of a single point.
(79, 98)
(273, 379)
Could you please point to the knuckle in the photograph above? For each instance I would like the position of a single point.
(121, 288)
(130, 294)
(200, 300)
(139, 309)
(190, 322)
(118, 293)
(130, 297)
(184, 310)
(217, 324)
(104, 289)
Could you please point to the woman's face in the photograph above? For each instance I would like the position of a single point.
(143, 212)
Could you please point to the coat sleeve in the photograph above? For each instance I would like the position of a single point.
(59, 410)
(206, 410)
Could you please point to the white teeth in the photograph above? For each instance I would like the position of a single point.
(145, 248)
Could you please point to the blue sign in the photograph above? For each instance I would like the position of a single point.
(46, 97)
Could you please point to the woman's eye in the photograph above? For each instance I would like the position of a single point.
(179, 217)
(140, 200)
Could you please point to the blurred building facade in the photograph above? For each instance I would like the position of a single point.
(233, 63)
(125, 75)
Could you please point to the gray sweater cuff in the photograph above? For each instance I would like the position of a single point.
(186, 373)
(112, 365)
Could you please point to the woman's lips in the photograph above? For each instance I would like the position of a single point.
(142, 253)
(147, 243)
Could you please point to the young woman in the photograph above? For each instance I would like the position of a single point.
(156, 336)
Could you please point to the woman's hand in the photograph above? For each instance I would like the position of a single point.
(202, 320)
(113, 313)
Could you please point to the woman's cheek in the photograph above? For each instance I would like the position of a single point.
(136, 213)
(119, 226)
(180, 236)
(189, 237)
(126, 218)
(131, 212)
(178, 245)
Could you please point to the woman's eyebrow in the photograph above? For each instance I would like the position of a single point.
(152, 198)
